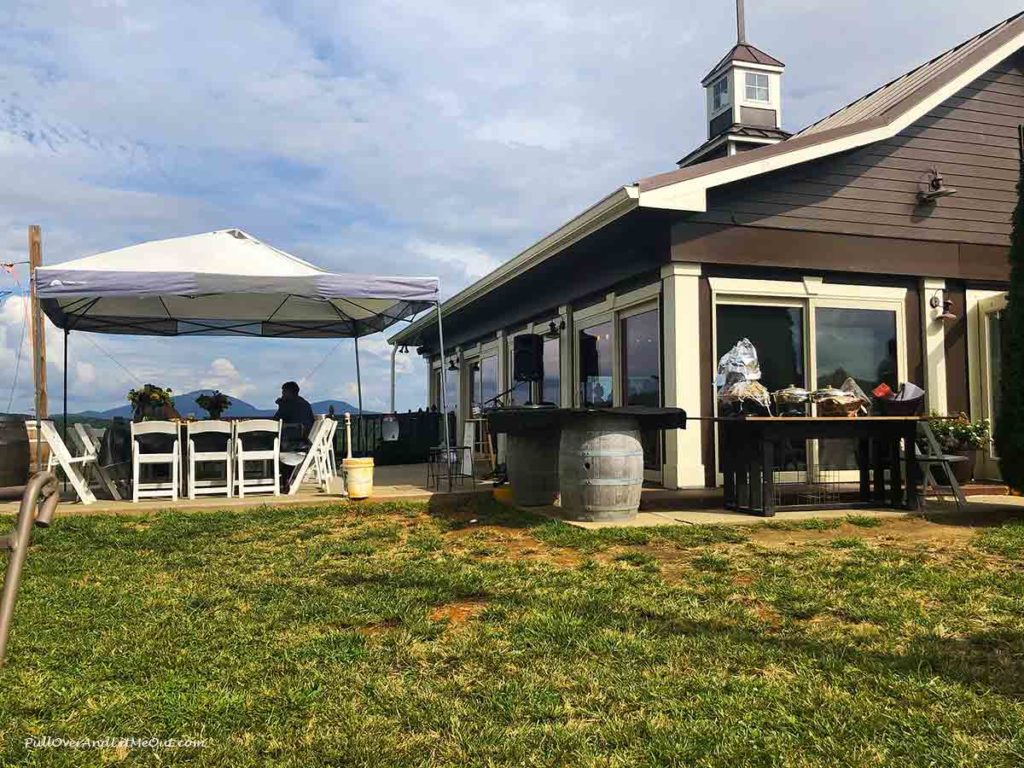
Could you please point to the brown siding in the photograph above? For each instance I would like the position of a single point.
(771, 248)
(971, 139)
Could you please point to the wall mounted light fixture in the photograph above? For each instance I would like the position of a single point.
(453, 364)
(932, 187)
(945, 307)
(555, 329)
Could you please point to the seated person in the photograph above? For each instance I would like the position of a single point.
(294, 409)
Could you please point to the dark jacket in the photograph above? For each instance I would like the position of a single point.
(295, 410)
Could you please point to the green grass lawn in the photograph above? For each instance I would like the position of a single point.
(399, 635)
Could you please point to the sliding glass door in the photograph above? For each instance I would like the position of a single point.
(816, 340)
(858, 344)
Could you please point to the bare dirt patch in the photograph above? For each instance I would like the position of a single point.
(898, 532)
(458, 612)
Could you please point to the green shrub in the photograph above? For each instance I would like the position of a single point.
(1010, 425)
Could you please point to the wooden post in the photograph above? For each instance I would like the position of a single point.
(38, 329)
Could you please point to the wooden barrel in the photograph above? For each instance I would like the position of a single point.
(14, 455)
(601, 468)
(532, 464)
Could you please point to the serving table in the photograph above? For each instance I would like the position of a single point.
(886, 478)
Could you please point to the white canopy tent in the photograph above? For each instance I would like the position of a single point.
(225, 283)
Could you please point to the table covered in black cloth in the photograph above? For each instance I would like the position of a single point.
(525, 419)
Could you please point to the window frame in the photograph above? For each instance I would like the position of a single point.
(747, 86)
(613, 309)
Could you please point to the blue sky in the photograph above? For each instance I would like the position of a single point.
(388, 136)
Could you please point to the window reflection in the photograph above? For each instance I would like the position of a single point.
(778, 335)
(551, 383)
(641, 364)
(595, 350)
(858, 344)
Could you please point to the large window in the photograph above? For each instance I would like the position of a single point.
(858, 344)
(720, 94)
(595, 351)
(452, 380)
(777, 333)
(757, 86)
(551, 383)
(485, 383)
(641, 373)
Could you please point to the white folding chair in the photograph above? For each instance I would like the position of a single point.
(170, 458)
(223, 456)
(73, 466)
(316, 462)
(89, 440)
(252, 428)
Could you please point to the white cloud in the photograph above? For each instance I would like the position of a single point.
(473, 262)
(222, 375)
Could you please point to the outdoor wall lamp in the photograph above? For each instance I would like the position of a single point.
(932, 187)
(453, 364)
(405, 349)
(946, 315)
(555, 329)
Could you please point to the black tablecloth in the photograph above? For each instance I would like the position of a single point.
(509, 420)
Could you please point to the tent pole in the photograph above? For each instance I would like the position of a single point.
(359, 380)
(394, 350)
(35, 260)
(67, 334)
(444, 396)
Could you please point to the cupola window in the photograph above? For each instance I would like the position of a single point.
(720, 93)
(757, 87)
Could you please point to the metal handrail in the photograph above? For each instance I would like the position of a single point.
(43, 484)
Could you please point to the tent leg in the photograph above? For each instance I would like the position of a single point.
(444, 397)
(394, 350)
(64, 436)
(359, 380)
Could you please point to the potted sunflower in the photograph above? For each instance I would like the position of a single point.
(150, 402)
(962, 436)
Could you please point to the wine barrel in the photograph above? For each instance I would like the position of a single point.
(532, 465)
(14, 464)
(601, 468)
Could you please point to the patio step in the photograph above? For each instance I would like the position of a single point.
(986, 489)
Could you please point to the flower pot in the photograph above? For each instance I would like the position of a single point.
(963, 471)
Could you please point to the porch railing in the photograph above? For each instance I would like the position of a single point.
(418, 432)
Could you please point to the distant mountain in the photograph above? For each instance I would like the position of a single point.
(239, 409)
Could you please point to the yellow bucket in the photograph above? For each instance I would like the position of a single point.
(358, 477)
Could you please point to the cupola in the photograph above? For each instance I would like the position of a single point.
(743, 94)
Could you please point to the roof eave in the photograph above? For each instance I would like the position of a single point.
(604, 212)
